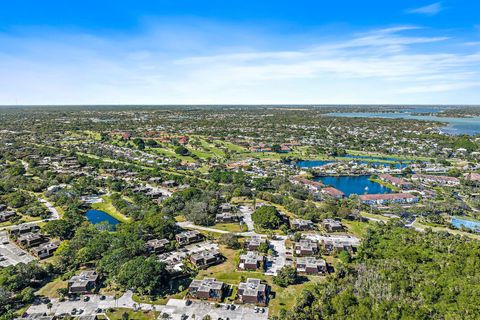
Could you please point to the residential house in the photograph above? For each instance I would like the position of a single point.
(380, 199)
(253, 291)
(436, 180)
(314, 186)
(227, 217)
(300, 224)
(333, 193)
(83, 283)
(395, 181)
(311, 265)
(208, 289)
(6, 215)
(157, 245)
(332, 225)
(335, 246)
(170, 183)
(252, 260)
(254, 242)
(227, 207)
(204, 259)
(187, 237)
(23, 228)
(29, 240)
(46, 250)
(306, 247)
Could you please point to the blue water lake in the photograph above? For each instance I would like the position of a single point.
(470, 126)
(354, 184)
(312, 163)
(99, 216)
(469, 224)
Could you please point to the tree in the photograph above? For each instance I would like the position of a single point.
(181, 150)
(286, 276)
(145, 275)
(230, 240)
(267, 217)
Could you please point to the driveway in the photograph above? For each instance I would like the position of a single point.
(247, 216)
(277, 262)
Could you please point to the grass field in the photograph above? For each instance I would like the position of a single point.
(108, 207)
(230, 227)
(118, 314)
(50, 289)
(358, 228)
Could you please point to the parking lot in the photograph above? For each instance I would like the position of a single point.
(179, 310)
(10, 253)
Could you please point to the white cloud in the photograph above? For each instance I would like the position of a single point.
(429, 10)
(381, 66)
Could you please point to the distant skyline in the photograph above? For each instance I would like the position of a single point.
(239, 52)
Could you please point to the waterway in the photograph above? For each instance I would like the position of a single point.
(456, 126)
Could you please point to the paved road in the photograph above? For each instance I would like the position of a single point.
(54, 215)
(188, 224)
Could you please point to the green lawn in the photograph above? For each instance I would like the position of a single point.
(118, 314)
(108, 207)
(374, 216)
(50, 289)
(230, 227)
(358, 228)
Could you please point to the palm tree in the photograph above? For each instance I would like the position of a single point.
(49, 307)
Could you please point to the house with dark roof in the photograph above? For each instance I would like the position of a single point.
(157, 245)
(204, 259)
(29, 240)
(23, 228)
(332, 225)
(301, 224)
(207, 289)
(311, 265)
(187, 237)
(253, 291)
(6, 215)
(252, 260)
(46, 250)
(83, 283)
(227, 217)
(305, 247)
(254, 242)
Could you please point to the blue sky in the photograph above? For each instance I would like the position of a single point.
(241, 52)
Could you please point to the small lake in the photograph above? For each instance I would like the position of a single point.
(469, 224)
(312, 163)
(456, 126)
(354, 184)
(99, 216)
